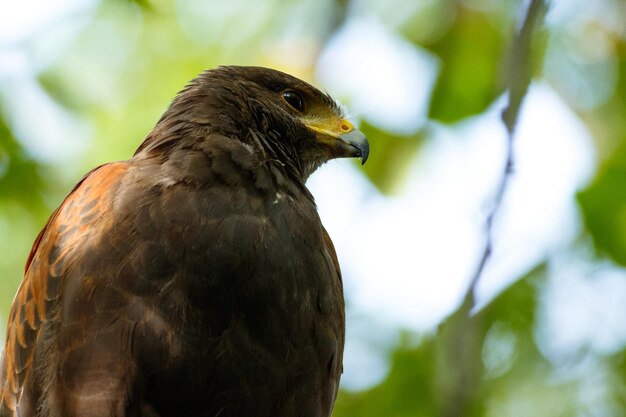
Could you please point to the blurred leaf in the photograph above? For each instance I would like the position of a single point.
(517, 304)
(471, 54)
(515, 310)
(391, 156)
(429, 22)
(603, 205)
(144, 4)
(20, 179)
(464, 387)
(619, 366)
(603, 202)
(516, 372)
(22, 209)
(57, 87)
(408, 391)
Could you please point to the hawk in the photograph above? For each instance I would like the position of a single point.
(194, 279)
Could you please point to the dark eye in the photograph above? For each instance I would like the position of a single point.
(294, 100)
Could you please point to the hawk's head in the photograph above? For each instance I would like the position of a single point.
(288, 118)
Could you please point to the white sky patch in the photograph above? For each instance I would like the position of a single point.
(20, 20)
(583, 303)
(390, 249)
(381, 76)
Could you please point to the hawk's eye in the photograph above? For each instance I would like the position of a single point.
(294, 100)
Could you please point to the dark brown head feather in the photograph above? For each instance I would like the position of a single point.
(245, 104)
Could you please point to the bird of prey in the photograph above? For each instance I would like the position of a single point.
(194, 279)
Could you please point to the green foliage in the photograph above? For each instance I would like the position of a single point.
(20, 178)
(22, 207)
(471, 54)
(603, 202)
(408, 391)
(604, 207)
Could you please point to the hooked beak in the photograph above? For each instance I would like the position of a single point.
(342, 137)
(356, 139)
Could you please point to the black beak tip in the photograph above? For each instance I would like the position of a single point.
(358, 144)
(364, 154)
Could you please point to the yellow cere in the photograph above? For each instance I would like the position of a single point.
(333, 127)
(345, 126)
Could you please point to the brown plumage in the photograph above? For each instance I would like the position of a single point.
(196, 278)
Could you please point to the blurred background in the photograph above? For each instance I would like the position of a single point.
(82, 82)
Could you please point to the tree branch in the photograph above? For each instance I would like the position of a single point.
(461, 335)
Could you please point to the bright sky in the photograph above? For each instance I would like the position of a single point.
(408, 258)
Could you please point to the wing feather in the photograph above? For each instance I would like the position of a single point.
(82, 212)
